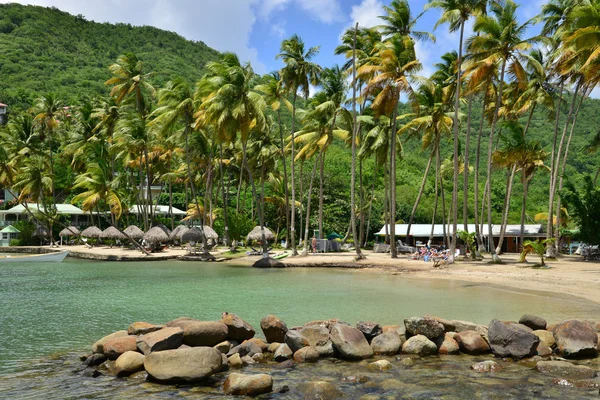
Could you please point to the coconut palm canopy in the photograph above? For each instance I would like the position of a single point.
(191, 235)
(91, 232)
(112, 233)
(70, 231)
(256, 235)
(175, 233)
(134, 232)
(156, 235)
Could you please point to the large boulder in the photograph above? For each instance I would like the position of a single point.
(283, 353)
(456, 325)
(533, 321)
(320, 390)
(203, 333)
(165, 339)
(238, 329)
(128, 363)
(387, 343)
(273, 328)
(115, 347)
(576, 339)
(471, 342)
(546, 337)
(183, 365)
(141, 328)
(369, 329)
(245, 349)
(419, 345)
(98, 347)
(94, 360)
(447, 345)
(350, 342)
(180, 322)
(247, 385)
(565, 369)
(295, 340)
(316, 335)
(509, 339)
(425, 326)
(306, 354)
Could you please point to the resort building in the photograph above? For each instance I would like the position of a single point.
(5, 196)
(19, 213)
(137, 209)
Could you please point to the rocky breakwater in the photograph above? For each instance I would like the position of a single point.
(191, 351)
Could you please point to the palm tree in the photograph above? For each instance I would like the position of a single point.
(99, 191)
(298, 74)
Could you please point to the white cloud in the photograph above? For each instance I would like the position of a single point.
(278, 29)
(201, 20)
(367, 13)
(266, 7)
(327, 11)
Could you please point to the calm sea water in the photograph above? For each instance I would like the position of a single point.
(52, 312)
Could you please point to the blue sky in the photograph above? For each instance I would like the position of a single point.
(254, 28)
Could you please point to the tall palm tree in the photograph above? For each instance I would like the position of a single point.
(100, 190)
(297, 75)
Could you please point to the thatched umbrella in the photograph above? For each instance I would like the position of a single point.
(156, 235)
(134, 232)
(256, 235)
(92, 232)
(112, 233)
(210, 233)
(191, 235)
(163, 228)
(70, 231)
(175, 232)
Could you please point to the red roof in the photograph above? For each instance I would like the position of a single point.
(3, 105)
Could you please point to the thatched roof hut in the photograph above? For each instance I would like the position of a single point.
(70, 231)
(191, 235)
(134, 232)
(156, 235)
(163, 228)
(175, 233)
(112, 233)
(210, 233)
(255, 234)
(91, 232)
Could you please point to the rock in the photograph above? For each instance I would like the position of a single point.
(316, 335)
(565, 369)
(247, 385)
(98, 347)
(350, 342)
(447, 344)
(471, 342)
(239, 329)
(486, 366)
(224, 362)
(115, 347)
(456, 325)
(533, 321)
(327, 323)
(203, 333)
(273, 328)
(259, 357)
(165, 339)
(306, 354)
(407, 362)
(546, 337)
(585, 384)
(598, 347)
(576, 339)
(245, 349)
(183, 365)
(247, 360)
(94, 359)
(320, 390)
(543, 351)
(223, 347)
(268, 263)
(141, 328)
(508, 339)
(381, 365)
(235, 361)
(387, 343)
(180, 322)
(483, 331)
(128, 363)
(326, 350)
(420, 345)
(425, 326)
(263, 346)
(369, 329)
(184, 346)
(283, 353)
(295, 340)
(273, 347)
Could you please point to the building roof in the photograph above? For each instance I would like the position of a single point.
(158, 209)
(33, 207)
(10, 229)
(424, 230)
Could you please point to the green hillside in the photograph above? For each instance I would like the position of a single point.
(47, 50)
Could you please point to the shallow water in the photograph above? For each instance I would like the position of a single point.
(51, 312)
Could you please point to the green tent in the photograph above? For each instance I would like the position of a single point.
(334, 235)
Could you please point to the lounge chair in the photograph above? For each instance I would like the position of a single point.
(402, 248)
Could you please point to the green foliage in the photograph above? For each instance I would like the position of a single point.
(535, 247)
(584, 207)
(26, 237)
(469, 239)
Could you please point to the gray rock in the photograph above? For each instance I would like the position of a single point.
(381, 365)
(317, 335)
(247, 360)
(576, 339)
(204, 333)
(223, 347)
(369, 329)
(533, 321)
(471, 342)
(295, 340)
(419, 345)
(260, 343)
(238, 329)
(508, 339)
(387, 343)
(128, 363)
(273, 328)
(273, 347)
(565, 369)
(245, 349)
(115, 347)
(247, 385)
(486, 366)
(425, 326)
(326, 350)
(283, 353)
(141, 328)
(235, 361)
(183, 365)
(306, 354)
(164, 339)
(350, 342)
(543, 351)
(94, 360)
(98, 347)
(320, 390)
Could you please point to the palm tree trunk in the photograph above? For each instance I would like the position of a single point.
(482, 214)
(478, 229)
(142, 196)
(366, 238)
(386, 202)
(361, 219)
(301, 195)
(509, 184)
(525, 181)
(321, 179)
(258, 206)
(148, 185)
(436, 190)
(444, 220)
(466, 168)
(225, 215)
(293, 211)
(308, 201)
(285, 181)
(393, 250)
(420, 194)
(359, 254)
(205, 216)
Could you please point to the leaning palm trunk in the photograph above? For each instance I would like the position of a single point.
(393, 250)
(509, 184)
(308, 201)
(525, 181)
(466, 168)
(293, 211)
(366, 238)
(285, 181)
(420, 194)
(436, 190)
(225, 215)
(478, 228)
(386, 202)
(321, 179)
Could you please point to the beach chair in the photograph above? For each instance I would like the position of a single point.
(402, 248)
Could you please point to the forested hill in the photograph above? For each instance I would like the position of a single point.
(47, 50)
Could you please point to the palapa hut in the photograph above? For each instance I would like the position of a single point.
(156, 235)
(175, 233)
(92, 232)
(112, 233)
(134, 232)
(210, 233)
(255, 235)
(68, 232)
(163, 228)
(191, 235)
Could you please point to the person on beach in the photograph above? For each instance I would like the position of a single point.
(314, 244)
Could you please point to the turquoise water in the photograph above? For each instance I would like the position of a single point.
(55, 311)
